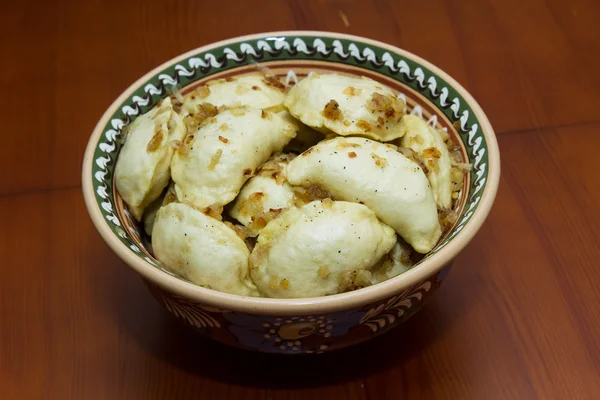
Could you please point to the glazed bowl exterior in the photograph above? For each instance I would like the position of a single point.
(311, 325)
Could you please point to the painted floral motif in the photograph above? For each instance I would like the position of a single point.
(298, 334)
(189, 311)
(385, 314)
(310, 334)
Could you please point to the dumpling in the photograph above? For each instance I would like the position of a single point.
(142, 170)
(396, 262)
(201, 249)
(213, 163)
(362, 170)
(347, 106)
(264, 196)
(322, 248)
(433, 152)
(254, 90)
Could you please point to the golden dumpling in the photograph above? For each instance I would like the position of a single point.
(264, 196)
(396, 262)
(249, 90)
(433, 152)
(347, 106)
(214, 162)
(142, 169)
(376, 174)
(324, 247)
(202, 250)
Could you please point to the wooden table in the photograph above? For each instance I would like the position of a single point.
(518, 317)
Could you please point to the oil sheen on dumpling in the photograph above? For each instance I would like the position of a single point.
(250, 90)
(362, 170)
(347, 106)
(201, 249)
(264, 196)
(213, 163)
(322, 248)
(433, 152)
(142, 170)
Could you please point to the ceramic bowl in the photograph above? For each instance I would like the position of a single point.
(309, 325)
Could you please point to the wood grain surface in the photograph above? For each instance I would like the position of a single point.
(517, 318)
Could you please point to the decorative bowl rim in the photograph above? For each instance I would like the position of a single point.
(299, 306)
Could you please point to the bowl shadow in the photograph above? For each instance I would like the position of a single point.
(182, 347)
(120, 294)
(168, 339)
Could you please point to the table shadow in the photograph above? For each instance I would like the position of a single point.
(139, 316)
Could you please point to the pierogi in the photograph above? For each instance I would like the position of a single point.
(350, 211)
(264, 196)
(201, 249)
(377, 175)
(142, 169)
(256, 91)
(322, 248)
(347, 106)
(213, 163)
(430, 148)
(397, 261)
